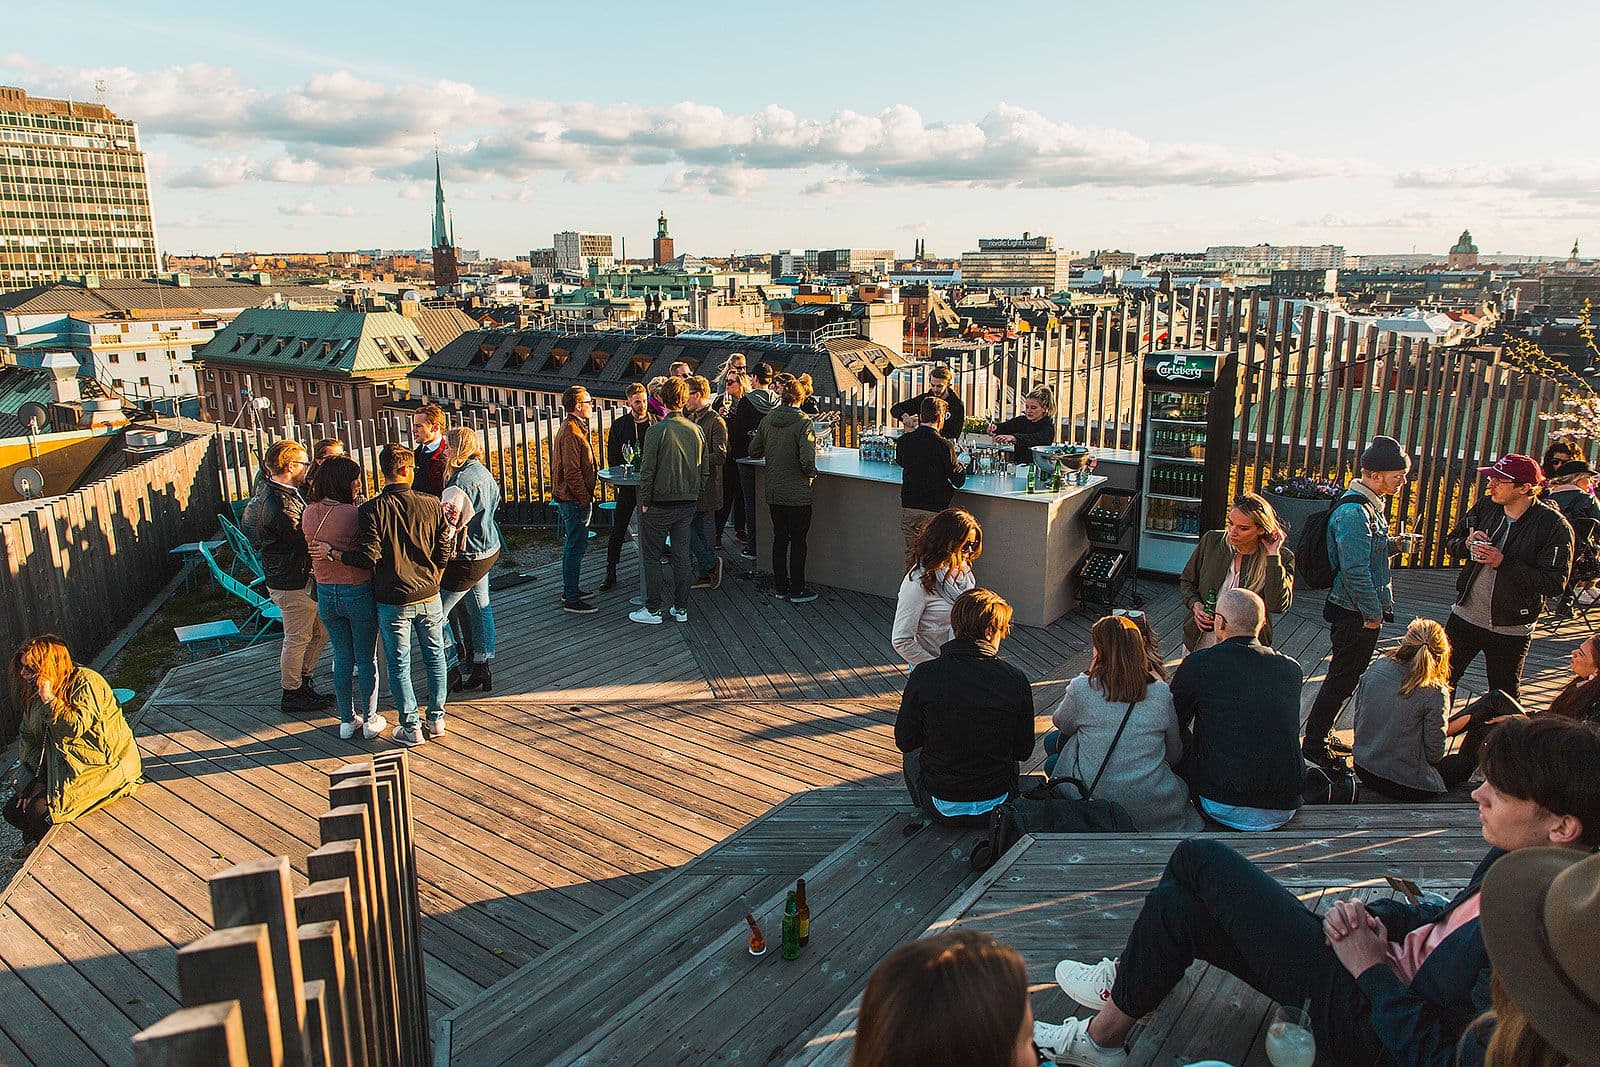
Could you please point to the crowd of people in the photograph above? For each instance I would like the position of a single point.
(1414, 984)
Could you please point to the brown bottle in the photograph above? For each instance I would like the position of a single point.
(804, 910)
(758, 940)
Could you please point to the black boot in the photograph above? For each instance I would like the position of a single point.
(610, 582)
(315, 701)
(480, 678)
(294, 702)
(454, 679)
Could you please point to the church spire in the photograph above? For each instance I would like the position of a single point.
(443, 227)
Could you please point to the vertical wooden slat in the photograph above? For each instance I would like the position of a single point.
(352, 824)
(1316, 447)
(322, 954)
(1281, 452)
(236, 964)
(1261, 455)
(257, 891)
(327, 908)
(210, 1034)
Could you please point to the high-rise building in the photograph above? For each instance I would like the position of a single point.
(446, 269)
(663, 243)
(577, 252)
(1013, 263)
(73, 194)
(855, 260)
(1283, 257)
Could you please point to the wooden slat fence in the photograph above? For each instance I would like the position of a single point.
(83, 564)
(329, 976)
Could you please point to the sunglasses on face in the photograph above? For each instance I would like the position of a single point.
(970, 547)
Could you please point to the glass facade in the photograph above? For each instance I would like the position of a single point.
(74, 198)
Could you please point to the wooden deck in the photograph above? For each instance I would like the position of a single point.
(609, 756)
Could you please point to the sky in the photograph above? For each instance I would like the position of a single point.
(1157, 126)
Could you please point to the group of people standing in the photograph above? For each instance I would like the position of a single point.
(364, 573)
(688, 442)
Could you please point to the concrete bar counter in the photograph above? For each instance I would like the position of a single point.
(1031, 542)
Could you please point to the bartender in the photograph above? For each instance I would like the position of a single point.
(1036, 425)
(939, 378)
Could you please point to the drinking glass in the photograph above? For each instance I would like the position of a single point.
(1290, 1042)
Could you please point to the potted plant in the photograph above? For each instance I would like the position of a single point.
(1299, 496)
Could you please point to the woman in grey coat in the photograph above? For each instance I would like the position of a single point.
(1139, 774)
(1400, 716)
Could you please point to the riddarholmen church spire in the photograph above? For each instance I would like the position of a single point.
(445, 269)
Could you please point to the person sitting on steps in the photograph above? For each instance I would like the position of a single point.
(1386, 981)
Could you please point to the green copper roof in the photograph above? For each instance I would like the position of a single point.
(319, 342)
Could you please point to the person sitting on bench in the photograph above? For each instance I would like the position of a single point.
(1385, 980)
(966, 718)
(1242, 702)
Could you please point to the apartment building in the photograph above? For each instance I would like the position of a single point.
(578, 252)
(1013, 264)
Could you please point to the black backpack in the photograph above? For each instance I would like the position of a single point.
(1312, 564)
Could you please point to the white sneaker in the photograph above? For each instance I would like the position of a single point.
(1069, 1043)
(347, 730)
(410, 736)
(433, 727)
(646, 616)
(680, 614)
(1087, 983)
(374, 726)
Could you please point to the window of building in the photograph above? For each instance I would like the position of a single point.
(336, 391)
(288, 385)
(233, 404)
(145, 382)
(141, 356)
(174, 379)
(311, 388)
(115, 358)
(381, 389)
(227, 377)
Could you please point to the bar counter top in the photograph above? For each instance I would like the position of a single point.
(847, 463)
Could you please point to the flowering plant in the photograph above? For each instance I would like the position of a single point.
(1579, 422)
(1303, 487)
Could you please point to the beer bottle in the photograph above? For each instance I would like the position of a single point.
(758, 940)
(803, 912)
(1055, 484)
(791, 929)
(1032, 474)
(1211, 602)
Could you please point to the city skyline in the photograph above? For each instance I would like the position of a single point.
(1146, 130)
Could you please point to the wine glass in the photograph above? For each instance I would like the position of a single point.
(1290, 1042)
(628, 453)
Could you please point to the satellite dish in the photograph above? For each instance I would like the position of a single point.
(34, 415)
(28, 482)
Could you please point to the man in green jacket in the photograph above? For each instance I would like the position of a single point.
(671, 475)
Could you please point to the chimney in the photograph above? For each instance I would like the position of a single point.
(63, 370)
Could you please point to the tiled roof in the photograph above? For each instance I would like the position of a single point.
(606, 362)
(441, 325)
(135, 294)
(335, 343)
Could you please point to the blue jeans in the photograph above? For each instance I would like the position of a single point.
(396, 623)
(479, 616)
(1052, 751)
(351, 618)
(701, 537)
(574, 542)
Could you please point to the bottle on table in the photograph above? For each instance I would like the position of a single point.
(1055, 484)
(791, 929)
(758, 940)
(802, 912)
(1032, 474)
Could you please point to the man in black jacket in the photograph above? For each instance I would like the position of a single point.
(1241, 700)
(405, 541)
(939, 379)
(930, 472)
(966, 718)
(1387, 981)
(627, 430)
(1519, 551)
(272, 523)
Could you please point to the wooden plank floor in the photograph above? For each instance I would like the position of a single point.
(608, 754)
(1076, 897)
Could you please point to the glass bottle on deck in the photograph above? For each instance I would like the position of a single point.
(791, 929)
(802, 912)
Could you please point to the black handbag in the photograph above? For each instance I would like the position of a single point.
(1049, 809)
(1329, 785)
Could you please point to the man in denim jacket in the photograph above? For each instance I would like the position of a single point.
(1361, 596)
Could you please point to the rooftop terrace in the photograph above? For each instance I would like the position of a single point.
(591, 834)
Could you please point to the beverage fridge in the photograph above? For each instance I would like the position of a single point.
(1190, 399)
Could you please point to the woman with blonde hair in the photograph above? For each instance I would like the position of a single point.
(75, 751)
(1034, 427)
(938, 570)
(471, 498)
(1118, 725)
(1400, 716)
(1248, 553)
(786, 440)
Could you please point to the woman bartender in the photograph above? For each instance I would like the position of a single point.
(1035, 426)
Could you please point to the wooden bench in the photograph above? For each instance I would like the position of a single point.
(196, 636)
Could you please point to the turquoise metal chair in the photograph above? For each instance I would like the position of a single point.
(264, 614)
(244, 553)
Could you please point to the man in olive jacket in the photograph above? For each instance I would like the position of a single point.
(671, 475)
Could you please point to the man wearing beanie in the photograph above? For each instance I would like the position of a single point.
(1519, 551)
(1361, 596)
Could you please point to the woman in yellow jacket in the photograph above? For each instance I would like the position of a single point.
(77, 752)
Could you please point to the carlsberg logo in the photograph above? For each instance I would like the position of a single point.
(1178, 370)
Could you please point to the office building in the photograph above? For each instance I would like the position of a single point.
(1281, 257)
(1016, 264)
(74, 199)
(855, 260)
(578, 253)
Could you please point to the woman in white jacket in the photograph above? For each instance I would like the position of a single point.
(938, 569)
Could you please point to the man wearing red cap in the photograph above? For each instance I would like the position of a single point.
(1519, 551)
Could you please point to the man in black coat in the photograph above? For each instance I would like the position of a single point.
(1386, 981)
(966, 718)
(930, 472)
(1519, 551)
(1241, 702)
(939, 379)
